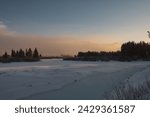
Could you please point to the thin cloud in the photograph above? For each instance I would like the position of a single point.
(2, 25)
(4, 30)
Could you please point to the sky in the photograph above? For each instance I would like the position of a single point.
(64, 27)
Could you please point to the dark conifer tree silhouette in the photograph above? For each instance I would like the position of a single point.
(26, 53)
(5, 55)
(17, 54)
(132, 50)
(35, 53)
(29, 53)
(13, 53)
(21, 53)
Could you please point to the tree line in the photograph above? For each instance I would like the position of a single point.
(21, 55)
(129, 51)
(136, 51)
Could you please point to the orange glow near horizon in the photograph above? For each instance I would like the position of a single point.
(55, 46)
(62, 45)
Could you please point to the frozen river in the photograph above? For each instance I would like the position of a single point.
(57, 79)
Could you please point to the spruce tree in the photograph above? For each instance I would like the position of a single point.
(21, 53)
(36, 54)
(29, 52)
(5, 55)
(13, 53)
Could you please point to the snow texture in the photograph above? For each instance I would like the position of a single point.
(58, 79)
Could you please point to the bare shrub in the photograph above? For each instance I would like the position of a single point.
(129, 92)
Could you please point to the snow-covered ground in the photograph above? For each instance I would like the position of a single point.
(57, 79)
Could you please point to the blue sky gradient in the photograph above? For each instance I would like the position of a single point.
(116, 20)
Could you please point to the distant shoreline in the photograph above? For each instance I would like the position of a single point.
(129, 51)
